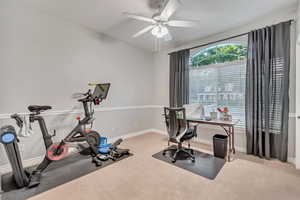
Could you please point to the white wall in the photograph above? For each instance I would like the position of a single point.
(298, 92)
(34, 42)
(206, 132)
(44, 59)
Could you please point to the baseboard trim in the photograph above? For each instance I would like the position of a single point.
(34, 161)
(130, 135)
(239, 149)
(291, 160)
(26, 163)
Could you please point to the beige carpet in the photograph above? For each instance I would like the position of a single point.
(142, 177)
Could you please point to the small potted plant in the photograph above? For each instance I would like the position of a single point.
(224, 114)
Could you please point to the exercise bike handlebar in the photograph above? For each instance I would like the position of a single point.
(88, 93)
(89, 98)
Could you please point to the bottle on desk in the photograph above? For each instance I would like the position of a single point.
(213, 115)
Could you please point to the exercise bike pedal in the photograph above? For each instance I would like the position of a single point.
(97, 161)
(103, 157)
(117, 153)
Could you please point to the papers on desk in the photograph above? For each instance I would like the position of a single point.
(195, 113)
(194, 110)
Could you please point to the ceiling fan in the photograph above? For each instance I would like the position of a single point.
(160, 21)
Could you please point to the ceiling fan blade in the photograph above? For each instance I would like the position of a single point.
(168, 37)
(145, 30)
(139, 17)
(180, 23)
(168, 10)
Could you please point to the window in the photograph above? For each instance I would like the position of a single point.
(218, 79)
(275, 107)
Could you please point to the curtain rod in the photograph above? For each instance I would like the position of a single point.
(209, 43)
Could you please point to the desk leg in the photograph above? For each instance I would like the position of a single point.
(230, 144)
(233, 146)
(229, 130)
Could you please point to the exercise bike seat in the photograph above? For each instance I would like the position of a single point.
(36, 108)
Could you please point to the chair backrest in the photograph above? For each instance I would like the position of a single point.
(175, 121)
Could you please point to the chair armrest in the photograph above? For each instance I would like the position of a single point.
(194, 126)
(181, 135)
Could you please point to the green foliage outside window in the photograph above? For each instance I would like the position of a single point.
(220, 54)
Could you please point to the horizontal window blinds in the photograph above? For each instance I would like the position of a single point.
(220, 85)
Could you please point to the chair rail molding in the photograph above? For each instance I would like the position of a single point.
(78, 111)
(99, 109)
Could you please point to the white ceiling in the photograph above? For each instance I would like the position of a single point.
(214, 16)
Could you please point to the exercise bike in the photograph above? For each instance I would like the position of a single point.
(58, 151)
(55, 151)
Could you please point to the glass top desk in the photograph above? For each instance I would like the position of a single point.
(228, 127)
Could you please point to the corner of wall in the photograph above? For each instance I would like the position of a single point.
(297, 159)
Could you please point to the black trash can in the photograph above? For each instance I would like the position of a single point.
(220, 145)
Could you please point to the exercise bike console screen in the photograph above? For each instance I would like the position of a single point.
(101, 91)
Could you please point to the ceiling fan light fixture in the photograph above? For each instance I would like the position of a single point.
(159, 31)
(160, 21)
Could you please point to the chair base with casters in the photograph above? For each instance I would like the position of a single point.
(179, 148)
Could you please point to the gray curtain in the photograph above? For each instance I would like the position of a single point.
(179, 78)
(267, 91)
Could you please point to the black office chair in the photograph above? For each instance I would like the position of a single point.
(179, 132)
